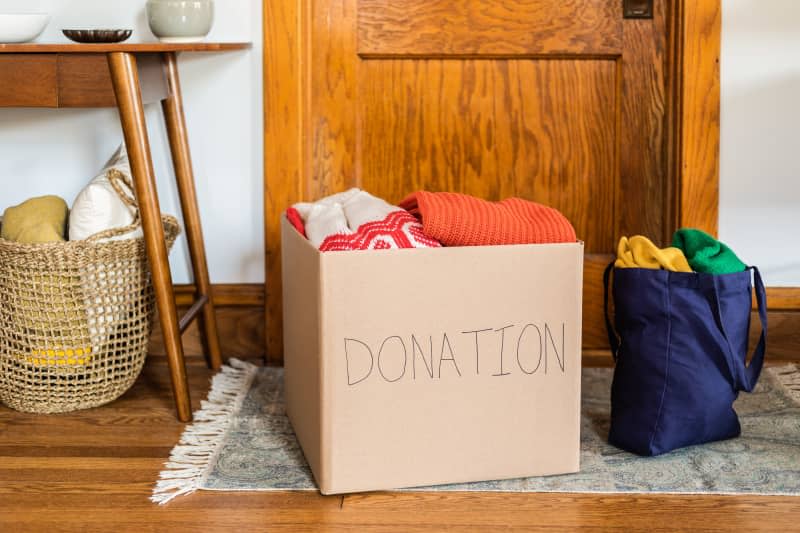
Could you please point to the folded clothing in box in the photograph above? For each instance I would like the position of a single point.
(462, 220)
(356, 220)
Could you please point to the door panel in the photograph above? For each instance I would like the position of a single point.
(453, 27)
(562, 102)
(537, 129)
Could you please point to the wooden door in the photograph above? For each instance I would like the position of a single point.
(562, 102)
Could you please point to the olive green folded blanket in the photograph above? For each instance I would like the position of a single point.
(37, 220)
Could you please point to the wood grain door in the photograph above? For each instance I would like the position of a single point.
(562, 102)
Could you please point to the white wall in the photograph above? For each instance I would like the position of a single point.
(45, 151)
(760, 159)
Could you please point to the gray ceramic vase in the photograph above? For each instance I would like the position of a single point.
(180, 21)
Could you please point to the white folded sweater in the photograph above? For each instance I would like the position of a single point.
(342, 214)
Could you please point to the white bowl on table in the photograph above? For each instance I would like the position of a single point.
(22, 27)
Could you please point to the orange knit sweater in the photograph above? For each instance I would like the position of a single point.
(461, 220)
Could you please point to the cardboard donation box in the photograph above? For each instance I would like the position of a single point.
(407, 368)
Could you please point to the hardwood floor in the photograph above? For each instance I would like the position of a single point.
(94, 470)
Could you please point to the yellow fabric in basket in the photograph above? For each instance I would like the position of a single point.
(37, 220)
(70, 357)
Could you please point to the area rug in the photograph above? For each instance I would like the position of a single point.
(241, 440)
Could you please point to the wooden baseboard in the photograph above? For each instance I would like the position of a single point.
(783, 335)
(240, 319)
(225, 295)
(783, 298)
(240, 316)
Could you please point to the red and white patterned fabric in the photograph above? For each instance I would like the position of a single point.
(399, 229)
(356, 220)
(294, 218)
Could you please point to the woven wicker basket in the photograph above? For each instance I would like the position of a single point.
(75, 317)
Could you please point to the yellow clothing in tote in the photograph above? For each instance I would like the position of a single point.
(640, 252)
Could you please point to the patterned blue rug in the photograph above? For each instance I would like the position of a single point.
(242, 441)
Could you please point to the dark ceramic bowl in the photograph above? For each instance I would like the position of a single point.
(98, 36)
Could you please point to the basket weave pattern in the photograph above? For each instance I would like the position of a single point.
(75, 320)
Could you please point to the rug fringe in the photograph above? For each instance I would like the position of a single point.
(789, 377)
(189, 461)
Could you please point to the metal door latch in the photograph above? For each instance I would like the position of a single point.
(637, 9)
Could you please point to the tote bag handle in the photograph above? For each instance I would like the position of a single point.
(613, 338)
(746, 376)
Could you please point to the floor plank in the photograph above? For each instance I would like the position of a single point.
(94, 470)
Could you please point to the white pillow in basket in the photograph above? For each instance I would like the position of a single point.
(98, 207)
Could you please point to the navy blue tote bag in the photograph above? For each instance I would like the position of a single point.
(680, 346)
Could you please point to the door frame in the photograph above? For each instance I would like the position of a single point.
(696, 48)
(695, 45)
(693, 137)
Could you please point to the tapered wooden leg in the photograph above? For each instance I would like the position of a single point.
(125, 79)
(182, 161)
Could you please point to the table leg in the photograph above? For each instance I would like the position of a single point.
(182, 161)
(125, 80)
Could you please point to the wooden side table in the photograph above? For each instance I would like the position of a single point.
(127, 76)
